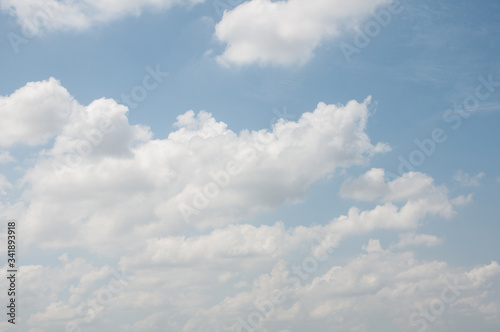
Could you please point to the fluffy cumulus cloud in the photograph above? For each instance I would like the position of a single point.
(412, 239)
(167, 215)
(267, 243)
(33, 114)
(40, 15)
(287, 32)
(111, 180)
(374, 186)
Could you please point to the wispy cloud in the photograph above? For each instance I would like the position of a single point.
(466, 180)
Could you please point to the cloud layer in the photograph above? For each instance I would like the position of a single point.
(168, 215)
(378, 283)
(41, 15)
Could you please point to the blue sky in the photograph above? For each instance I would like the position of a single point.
(331, 173)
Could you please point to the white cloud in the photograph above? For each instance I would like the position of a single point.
(387, 284)
(151, 322)
(373, 246)
(379, 284)
(466, 180)
(262, 244)
(118, 183)
(63, 291)
(389, 216)
(42, 288)
(242, 248)
(34, 113)
(412, 239)
(224, 259)
(373, 186)
(41, 15)
(178, 279)
(462, 200)
(286, 32)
